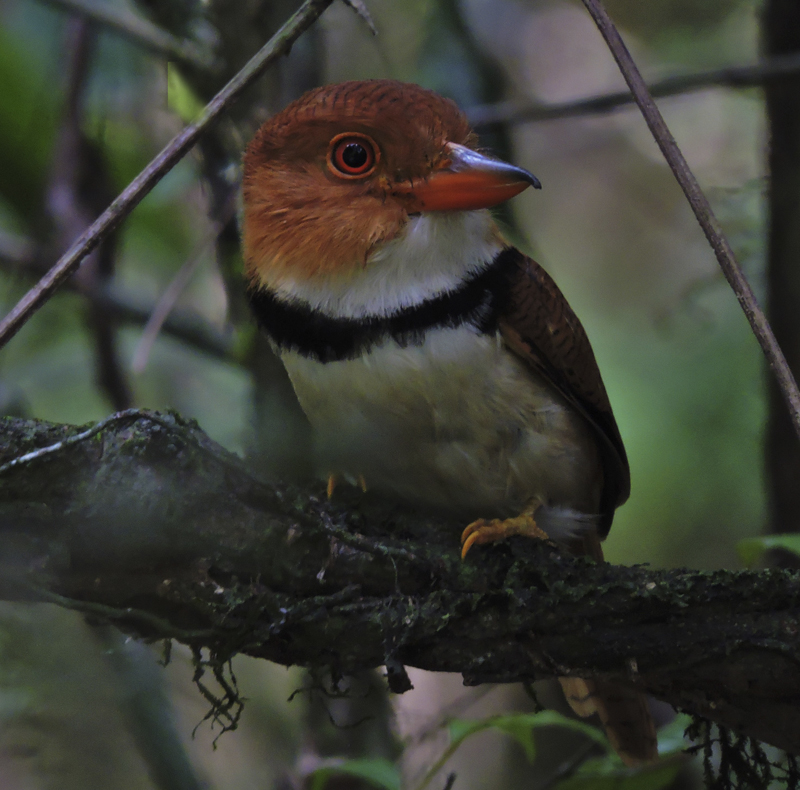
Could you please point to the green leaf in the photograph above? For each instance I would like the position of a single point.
(670, 737)
(752, 549)
(380, 773)
(520, 726)
(459, 729)
(608, 773)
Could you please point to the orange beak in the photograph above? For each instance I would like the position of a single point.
(468, 181)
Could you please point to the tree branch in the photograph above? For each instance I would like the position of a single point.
(702, 210)
(166, 302)
(759, 74)
(140, 31)
(144, 522)
(19, 255)
(78, 190)
(179, 146)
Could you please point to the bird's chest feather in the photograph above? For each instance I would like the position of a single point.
(456, 422)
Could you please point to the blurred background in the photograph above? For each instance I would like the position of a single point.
(156, 318)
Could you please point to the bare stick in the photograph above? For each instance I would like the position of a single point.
(169, 297)
(71, 209)
(19, 255)
(731, 77)
(178, 147)
(140, 31)
(74, 439)
(361, 10)
(702, 210)
(163, 307)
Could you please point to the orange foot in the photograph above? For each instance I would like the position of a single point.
(334, 480)
(483, 531)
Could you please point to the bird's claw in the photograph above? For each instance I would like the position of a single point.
(334, 480)
(484, 531)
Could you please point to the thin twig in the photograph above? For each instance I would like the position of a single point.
(731, 77)
(188, 327)
(702, 210)
(40, 452)
(120, 416)
(356, 541)
(140, 31)
(166, 302)
(167, 422)
(163, 307)
(361, 11)
(116, 614)
(78, 190)
(19, 255)
(64, 204)
(178, 147)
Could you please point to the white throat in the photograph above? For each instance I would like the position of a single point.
(433, 254)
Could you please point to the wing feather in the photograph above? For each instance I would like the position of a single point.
(539, 326)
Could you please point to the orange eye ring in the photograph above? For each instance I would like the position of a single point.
(353, 155)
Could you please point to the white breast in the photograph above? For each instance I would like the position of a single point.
(458, 423)
(433, 254)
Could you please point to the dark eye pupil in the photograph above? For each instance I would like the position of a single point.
(354, 155)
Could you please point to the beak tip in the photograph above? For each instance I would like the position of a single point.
(535, 183)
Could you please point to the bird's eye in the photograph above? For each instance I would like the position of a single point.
(353, 155)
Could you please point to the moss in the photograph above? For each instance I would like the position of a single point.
(280, 572)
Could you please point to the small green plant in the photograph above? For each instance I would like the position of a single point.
(606, 772)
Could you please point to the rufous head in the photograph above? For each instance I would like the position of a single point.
(338, 172)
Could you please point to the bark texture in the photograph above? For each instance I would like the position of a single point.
(150, 525)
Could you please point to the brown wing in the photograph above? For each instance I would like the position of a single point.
(539, 326)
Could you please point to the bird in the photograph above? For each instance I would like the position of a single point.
(436, 363)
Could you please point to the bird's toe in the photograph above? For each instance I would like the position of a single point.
(484, 531)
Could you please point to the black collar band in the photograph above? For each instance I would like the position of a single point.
(477, 302)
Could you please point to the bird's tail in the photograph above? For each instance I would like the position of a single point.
(623, 711)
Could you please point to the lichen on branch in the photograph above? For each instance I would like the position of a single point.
(145, 522)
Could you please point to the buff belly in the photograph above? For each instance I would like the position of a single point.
(458, 423)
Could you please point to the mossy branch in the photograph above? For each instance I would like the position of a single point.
(147, 523)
